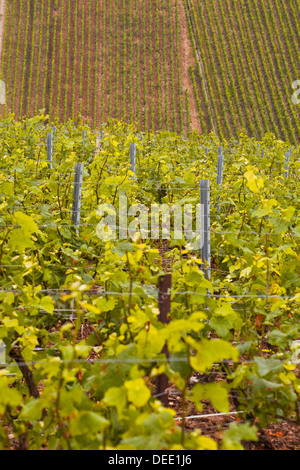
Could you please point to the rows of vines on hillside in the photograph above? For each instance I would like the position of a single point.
(247, 52)
(140, 62)
(97, 59)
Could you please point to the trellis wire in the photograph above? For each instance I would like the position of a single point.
(209, 415)
(93, 361)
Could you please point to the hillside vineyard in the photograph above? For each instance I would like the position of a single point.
(209, 65)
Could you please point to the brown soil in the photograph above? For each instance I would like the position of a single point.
(187, 59)
(284, 435)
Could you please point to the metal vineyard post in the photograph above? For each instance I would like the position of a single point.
(77, 192)
(205, 226)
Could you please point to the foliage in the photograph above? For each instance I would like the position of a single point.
(97, 391)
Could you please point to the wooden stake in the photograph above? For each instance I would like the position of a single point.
(164, 305)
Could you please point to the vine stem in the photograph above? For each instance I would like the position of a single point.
(16, 355)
